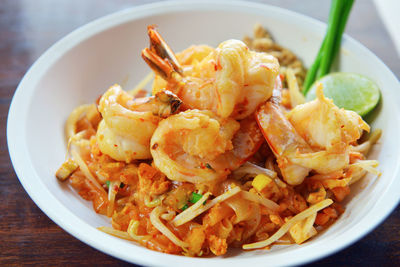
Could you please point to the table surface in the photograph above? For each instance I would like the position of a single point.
(28, 28)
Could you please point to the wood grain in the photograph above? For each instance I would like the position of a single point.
(27, 28)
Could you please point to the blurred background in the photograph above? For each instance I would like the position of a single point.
(29, 27)
(37, 24)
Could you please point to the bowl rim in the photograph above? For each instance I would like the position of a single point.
(86, 233)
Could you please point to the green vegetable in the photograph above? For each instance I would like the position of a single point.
(342, 25)
(339, 13)
(194, 197)
(331, 37)
(120, 186)
(349, 91)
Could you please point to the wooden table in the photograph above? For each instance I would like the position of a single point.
(28, 28)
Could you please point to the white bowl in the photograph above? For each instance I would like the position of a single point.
(85, 63)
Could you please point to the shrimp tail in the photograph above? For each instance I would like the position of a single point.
(158, 65)
(160, 48)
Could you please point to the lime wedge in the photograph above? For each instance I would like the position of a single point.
(349, 91)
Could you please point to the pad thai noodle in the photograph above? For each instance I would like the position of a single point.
(224, 152)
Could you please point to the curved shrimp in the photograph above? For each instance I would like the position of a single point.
(282, 138)
(198, 147)
(231, 80)
(128, 124)
(317, 136)
(328, 130)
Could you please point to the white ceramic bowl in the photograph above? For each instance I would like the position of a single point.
(85, 63)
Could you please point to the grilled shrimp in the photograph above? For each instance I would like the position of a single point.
(128, 124)
(313, 136)
(198, 146)
(231, 80)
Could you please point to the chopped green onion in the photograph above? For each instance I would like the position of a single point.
(120, 186)
(194, 197)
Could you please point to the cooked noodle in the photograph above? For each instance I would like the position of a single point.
(155, 220)
(224, 153)
(301, 216)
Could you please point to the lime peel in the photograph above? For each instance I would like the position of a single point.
(350, 91)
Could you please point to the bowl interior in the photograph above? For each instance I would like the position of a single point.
(83, 65)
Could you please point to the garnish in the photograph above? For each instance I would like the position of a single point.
(120, 186)
(194, 197)
(339, 12)
(349, 91)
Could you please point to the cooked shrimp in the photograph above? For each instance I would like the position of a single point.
(198, 146)
(282, 138)
(326, 127)
(231, 80)
(315, 136)
(128, 124)
(328, 130)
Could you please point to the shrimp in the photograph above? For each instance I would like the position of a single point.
(313, 136)
(128, 124)
(231, 80)
(328, 130)
(199, 147)
(282, 138)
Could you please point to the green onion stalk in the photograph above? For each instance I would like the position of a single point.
(338, 15)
